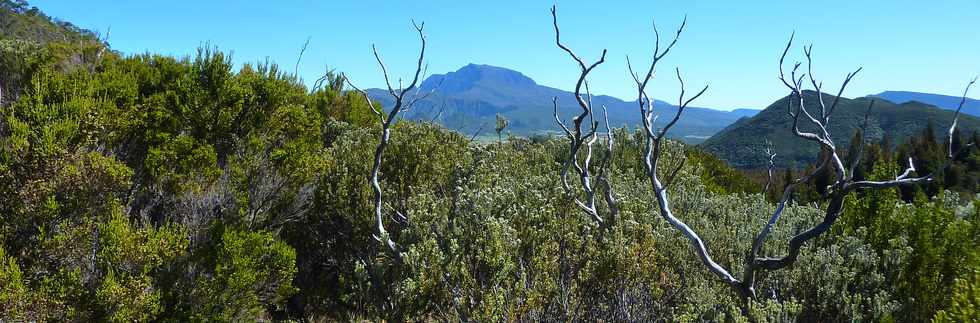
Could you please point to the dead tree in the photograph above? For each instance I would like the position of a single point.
(654, 144)
(580, 138)
(843, 184)
(401, 102)
(772, 166)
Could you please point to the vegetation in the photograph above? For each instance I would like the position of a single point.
(154, 188)
(740, 144)
(928, 154)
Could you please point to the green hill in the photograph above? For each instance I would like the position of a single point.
(18, 20)
(742, 143)
(30, 40)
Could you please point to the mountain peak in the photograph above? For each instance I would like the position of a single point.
(472, 96)
(495, 73)
(477, 75)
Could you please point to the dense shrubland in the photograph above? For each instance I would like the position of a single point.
(926, 150)
(153, 188)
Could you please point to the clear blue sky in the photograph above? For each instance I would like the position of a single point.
(928, 46)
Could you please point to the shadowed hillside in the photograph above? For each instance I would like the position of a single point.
(742, 144)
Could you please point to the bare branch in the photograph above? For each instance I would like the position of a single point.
(652, 156)
(608, 194)
(782, 76)
(834, 207)
(629, 66)
(772, 165)
(416, 97)
(673, 174)
(672, 42)
(571, 150)
(558, 118)
(748, 276)
(856, 159)
(577, 138)
(904, 178)
(477, 132)
(300, 57)
(956, 116)
(807, 51)
(695, 239)
(681, 105)
(442, 108)
(384, 70)
(824, 137)
(381, 234)
(839, 191)
(833, 106)
(368, 99)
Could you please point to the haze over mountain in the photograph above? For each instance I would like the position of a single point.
(742, 144)
(469, 99)
(948, 102)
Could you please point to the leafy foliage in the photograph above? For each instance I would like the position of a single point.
(966, 301)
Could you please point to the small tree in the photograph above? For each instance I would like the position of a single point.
(501, 124)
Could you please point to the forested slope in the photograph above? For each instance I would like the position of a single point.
(742, 143)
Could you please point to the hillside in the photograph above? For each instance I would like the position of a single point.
(469, 99)
(18, 20)
(742, 143)
(30, 40)
(948, 102)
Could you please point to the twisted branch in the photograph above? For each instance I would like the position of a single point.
(842, 186)
(839, 190)
(652, 151)
(579, 138)
(381, 234)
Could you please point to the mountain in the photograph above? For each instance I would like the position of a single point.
(468, 100)
(742, 143)
(971, 107)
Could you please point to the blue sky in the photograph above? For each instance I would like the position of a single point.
(928, 46)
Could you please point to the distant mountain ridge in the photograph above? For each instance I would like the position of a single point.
(742, 144)
(468, 99)
(948, 102)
